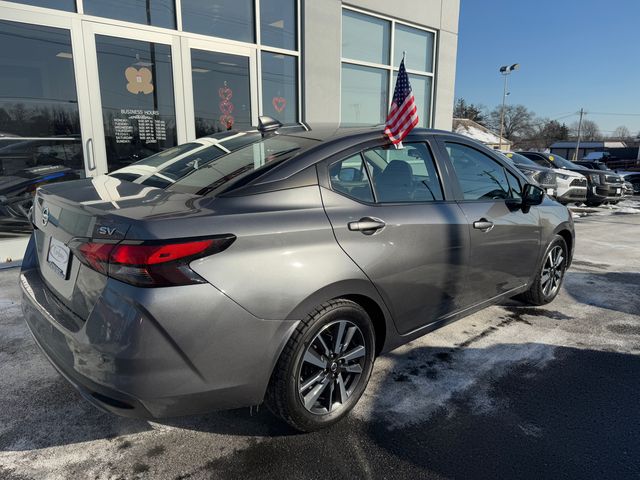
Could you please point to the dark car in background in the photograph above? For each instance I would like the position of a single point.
(603, 186)
(26, 164)
(632, 178)
(627, 187)
(275, 265)
(545, 177)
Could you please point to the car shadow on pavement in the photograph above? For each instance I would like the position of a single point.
(574, 414)
(252, 422)
(616, 291)
(51, 413)
(506, 411)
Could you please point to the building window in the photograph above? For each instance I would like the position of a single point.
(372, 48)
(278, 24)
(233, 19)
(66, 5)
(279, 86)
(364, 94)
(365, 38)
(221, 92)
(159, 13)
(419, 47)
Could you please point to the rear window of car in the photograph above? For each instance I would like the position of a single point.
(203, 168)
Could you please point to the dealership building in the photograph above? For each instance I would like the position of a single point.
(89, 86)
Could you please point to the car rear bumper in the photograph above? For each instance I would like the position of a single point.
(126, 360)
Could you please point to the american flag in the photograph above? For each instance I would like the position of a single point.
(403, 115)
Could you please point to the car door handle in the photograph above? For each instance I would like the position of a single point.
(366, 225)
(483, 224)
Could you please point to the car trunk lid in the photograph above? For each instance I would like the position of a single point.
(101, 209)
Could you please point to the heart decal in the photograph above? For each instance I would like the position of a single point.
(279, 103)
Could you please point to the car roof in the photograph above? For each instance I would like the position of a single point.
(331, 139)
(330, 131)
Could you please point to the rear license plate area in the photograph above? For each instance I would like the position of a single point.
(58, 258)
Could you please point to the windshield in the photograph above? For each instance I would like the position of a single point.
(560, 162)
(601, 166)
(209, 164)
(520, 159)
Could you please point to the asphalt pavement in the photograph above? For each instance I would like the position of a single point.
(510, 392)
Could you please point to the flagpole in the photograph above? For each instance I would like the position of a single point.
(399, 145)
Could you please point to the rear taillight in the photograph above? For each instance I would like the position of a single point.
(150, 264)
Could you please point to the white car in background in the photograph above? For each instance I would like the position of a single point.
(572, 186)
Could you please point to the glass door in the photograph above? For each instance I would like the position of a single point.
(220, 87)
(45, 120)
(135, 93)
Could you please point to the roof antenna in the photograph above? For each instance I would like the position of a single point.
(268, 125)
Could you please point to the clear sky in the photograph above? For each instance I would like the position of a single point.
(572, 54)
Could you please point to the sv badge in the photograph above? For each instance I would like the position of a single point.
(106, 230)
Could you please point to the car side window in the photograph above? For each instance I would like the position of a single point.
(480, 176)
(404, 175)
(350, 177)
(515, 185)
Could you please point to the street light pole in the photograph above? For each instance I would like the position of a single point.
(505, 71)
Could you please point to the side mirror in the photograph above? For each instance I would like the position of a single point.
(349, 175)
(532, 195)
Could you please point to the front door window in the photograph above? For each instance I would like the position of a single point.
(137, 94)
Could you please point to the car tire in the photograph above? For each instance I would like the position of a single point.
(593, 204)
(543, 291)
(311, 354)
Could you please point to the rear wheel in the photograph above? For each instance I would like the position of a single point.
(324, 368)
(547, 283)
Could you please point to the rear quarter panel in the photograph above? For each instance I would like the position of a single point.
(285, 260)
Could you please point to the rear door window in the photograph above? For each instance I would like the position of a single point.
(350, 177)
(404, 175)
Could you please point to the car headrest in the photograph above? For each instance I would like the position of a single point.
(397, 173)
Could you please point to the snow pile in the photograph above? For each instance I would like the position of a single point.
(476, 131)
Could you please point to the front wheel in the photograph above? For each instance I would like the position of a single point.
(324, 368)
(548, 280)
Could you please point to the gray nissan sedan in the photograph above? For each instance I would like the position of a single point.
(274, 265)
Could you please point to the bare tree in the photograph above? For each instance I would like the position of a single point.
(518, 121)
(590, 131)
(544, 132)
(621, 133)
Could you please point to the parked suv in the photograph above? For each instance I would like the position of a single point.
(627, 190)
(275, 265)
(571, 186)
(633, 178)
(545, 177)
(602, 187)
